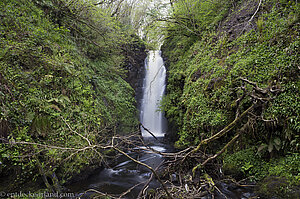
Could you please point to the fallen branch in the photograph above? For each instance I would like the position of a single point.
(148, 131)
(56, 147)
(222, 132)
(129, 190)
(98, 192)
(217, 154)
(220, 192)
(255, 11)
(88, 141)
(148, 181)
(256, 88)
(259, 4)
(142, 192)
(223, 149)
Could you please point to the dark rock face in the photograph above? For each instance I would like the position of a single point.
(135, 54)
(171, 135)
(238, 20)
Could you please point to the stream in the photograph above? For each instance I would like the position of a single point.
(124, 175)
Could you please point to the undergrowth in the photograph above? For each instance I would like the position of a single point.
(204, 83)
(61, 84)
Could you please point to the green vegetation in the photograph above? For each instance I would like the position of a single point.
(61, 87)
(233, 69)
(284, 172)
(223, 57)
(250, 164)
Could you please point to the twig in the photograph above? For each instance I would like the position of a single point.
(220, 192)
(263, 91)
(260, 1)
(222, 132)
(129, 190)
(149, 180)
(148, 131)
(142, 192)
(76, 132)
(255, 11)
(239, 182)
(223, 149)
(96, 191)
(58, 147)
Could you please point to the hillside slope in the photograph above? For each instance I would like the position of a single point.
(62, 89)
(236, 64)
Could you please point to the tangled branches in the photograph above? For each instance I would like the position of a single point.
(179, 178)
(181, 165)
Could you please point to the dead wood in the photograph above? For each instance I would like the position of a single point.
(218, 153)
(259, 97)
(148, 131)
(142, 192)
(222, 132)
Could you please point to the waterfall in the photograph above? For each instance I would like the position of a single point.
(153, 89)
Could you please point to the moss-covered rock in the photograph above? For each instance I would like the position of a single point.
(277, 187)
(279, 177)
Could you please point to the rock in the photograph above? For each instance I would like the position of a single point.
(247, 195)
(174, 178)
(135, 55)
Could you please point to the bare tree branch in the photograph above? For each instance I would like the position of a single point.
(98, 192)
(223, 131)
(255, 11)
(76, 132)
(148, 131)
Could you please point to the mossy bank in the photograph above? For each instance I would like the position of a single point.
(63, 66)
(223, 58)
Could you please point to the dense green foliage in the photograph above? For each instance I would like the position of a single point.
(61, 86)
(63, 94)
(208, 52)
(251, 165)
(284, 172)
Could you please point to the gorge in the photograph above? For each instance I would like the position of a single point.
(83, 108)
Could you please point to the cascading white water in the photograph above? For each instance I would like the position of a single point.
(153, 89)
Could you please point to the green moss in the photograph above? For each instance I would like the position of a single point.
(277, 187)
(62, 79)
(204, 72)
(204, 86)
(246, 163)
(279, 177)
